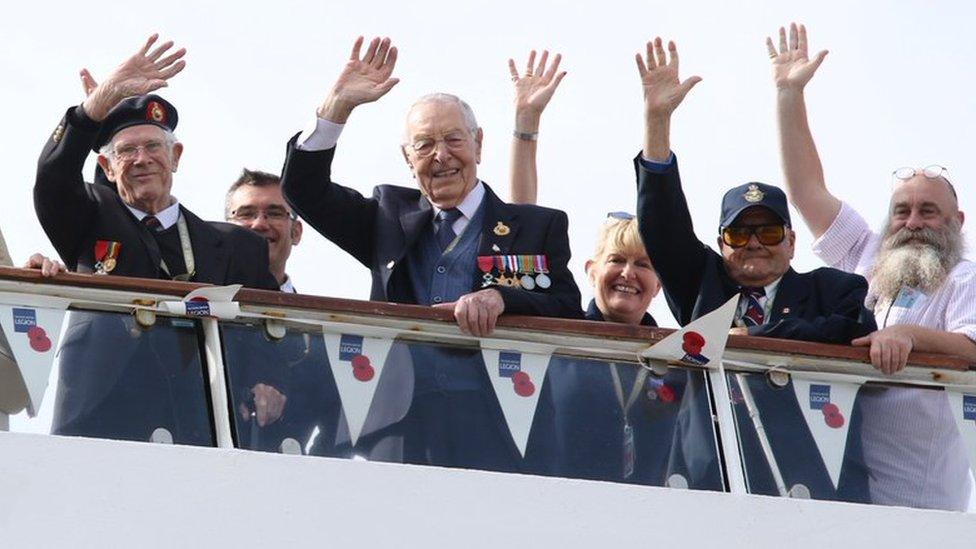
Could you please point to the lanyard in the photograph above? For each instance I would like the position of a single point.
(634, 391)
(187, 253)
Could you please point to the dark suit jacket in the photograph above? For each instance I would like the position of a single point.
(75, 215)
(380, 232)
(825, 305)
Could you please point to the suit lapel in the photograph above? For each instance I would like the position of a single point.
(790, 296)
(209, 252)
(499, 227)
(412, 224)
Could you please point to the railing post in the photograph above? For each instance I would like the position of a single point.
(218, 382)
(727, 431)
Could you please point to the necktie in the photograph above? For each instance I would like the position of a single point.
(152, 223)
(445, 227)
(754, 315)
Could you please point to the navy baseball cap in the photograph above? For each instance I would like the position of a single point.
(135, 111)
(743, 197)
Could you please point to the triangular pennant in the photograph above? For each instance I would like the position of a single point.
(827, 406)
(357, 364)
(963, 406)
(701, 342)
(32, 334)
(517, 379)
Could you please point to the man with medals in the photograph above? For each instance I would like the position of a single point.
(756, 246)
(128, 223)
(922, 292)
(422, 247)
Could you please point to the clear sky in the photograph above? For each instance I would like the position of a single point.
(895, 90)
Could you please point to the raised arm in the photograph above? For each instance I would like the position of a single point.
(62, 200)
(663, 92)
(362, 80)
(533, 90)
(805, 186)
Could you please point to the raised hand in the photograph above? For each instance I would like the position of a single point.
(362, 80)
(663, 91)
(792, 66)
(535, 88)
(146, 71)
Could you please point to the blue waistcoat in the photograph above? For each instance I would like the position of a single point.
(441, 278)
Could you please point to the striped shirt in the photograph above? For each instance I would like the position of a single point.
(912, 448)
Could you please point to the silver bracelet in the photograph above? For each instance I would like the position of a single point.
(526, 136)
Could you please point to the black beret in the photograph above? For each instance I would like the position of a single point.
(134, 111)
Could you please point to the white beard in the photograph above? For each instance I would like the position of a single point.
(922, 264)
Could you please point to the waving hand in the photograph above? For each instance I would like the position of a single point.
(145, 71)
(792, 66)
(363, 80)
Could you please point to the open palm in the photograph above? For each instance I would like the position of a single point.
(534, 90)
(663, 90)
(146, 71)
(366, 80)
(792, 66)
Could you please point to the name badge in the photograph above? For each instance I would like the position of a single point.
(908, 298)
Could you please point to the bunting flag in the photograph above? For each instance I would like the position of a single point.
(827, 406)
(31, 334)
(701, 342)
(517, 379)
(357, 363)
(963, 406)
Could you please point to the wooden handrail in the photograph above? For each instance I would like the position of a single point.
(373, 308)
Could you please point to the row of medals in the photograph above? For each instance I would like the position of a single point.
(525, 281)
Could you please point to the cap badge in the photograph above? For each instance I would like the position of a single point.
(501, 229)
(155, 112)
(754, 194)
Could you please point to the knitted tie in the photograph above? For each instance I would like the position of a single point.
(754, 315)
(152, 223)
(444, 225)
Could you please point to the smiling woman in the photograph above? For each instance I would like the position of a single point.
(623, 279)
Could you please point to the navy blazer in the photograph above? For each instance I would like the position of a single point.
(380, 231)
(75, 215)
(825, 305)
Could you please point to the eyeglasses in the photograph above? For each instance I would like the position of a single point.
(623, 216)
(767, 235)
(273, 213)
(933, 171)
(129, 152)
(425, 147)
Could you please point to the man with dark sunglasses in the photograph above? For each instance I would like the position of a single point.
(756, 245)
(755, 240)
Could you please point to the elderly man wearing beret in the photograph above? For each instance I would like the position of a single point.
(118, 379)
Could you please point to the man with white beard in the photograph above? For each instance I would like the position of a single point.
(921, 290)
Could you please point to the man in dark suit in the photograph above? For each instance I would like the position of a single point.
(120, 380)
(450, 243)
(756, 244)
(411, 239)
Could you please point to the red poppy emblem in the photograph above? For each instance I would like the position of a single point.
(692, 343)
